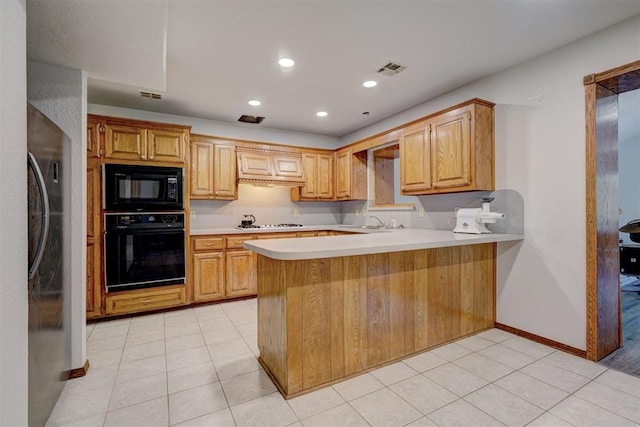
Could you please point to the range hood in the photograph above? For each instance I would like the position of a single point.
(266, 166)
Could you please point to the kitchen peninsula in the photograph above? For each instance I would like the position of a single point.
(332, 307)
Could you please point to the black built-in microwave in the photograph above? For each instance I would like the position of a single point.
(132, 188)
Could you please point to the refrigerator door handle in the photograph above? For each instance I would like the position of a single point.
(44, 197)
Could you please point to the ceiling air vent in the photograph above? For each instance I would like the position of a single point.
(245, 118)
(391, 69)
(150, 95)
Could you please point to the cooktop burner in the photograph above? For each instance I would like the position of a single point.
(269, 226)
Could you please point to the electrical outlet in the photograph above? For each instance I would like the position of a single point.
(192, 214)
(421, 212)
(296, 212)
(357, 212)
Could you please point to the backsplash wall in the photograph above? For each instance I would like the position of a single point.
(270, 205)
(273, 205)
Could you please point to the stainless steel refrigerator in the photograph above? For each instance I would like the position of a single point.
(49, 352)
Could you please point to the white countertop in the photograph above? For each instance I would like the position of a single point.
(233, 230)
(370, 242)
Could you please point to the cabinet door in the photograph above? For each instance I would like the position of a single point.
(253, 165)
(325, 176)
(94, 296)
(451, 150)
(201, 170)
(343, 175)
(125, 142)
(241, 273)
(94, 258)
(225, 180)
(310, 165)
(93, 201)
(415, 171)
(93, 139)
(166, 145)
(287, 166)
(208, 276)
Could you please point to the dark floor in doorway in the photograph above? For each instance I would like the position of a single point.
(627, 358)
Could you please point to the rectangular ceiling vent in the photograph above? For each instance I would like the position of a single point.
(391, 69)
(245, 118)
(150, 95)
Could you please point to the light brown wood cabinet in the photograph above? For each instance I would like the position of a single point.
(121, 139)
(266, 164)
(449, 152)
(240, 273)
(145, 299)
(93, 138)
(208, 276)
(351, 175)
(415, 159)
(319, 174)
(222, 270)
(94, 241)
(213, 170)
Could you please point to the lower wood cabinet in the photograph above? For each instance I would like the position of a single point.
(208, 276)
(221, 268)
(145, 299)
(241, 273)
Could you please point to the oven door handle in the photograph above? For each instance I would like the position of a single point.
(145, 232)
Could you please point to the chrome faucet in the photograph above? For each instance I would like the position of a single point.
(382, 225)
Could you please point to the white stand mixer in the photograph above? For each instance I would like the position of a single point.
(473, 220)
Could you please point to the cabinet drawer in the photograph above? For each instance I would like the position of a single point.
(207, 243)
(307, 234)
(278, 236)
(236, 242)
(145, 299)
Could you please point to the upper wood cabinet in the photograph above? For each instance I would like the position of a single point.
(167, 145)
(134, 140)
(93, 139)
(269, 165)
(318, 171)
(351, 175)
(449, 152)
(415, 164)
(213, 170)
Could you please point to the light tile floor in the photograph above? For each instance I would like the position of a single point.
(198, 367)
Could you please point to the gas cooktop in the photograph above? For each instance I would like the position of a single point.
(243, 227)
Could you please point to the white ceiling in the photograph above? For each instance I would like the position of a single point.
(220, 54)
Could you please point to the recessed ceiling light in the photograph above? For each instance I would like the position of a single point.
(322, 114)
(254, 102)
(286, 62)
(370, 83)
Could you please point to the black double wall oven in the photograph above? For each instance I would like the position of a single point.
(144, 243)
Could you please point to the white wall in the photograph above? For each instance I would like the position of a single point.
(629, 158)
(223, 129)
(540, 154)
(13, 215)
(60, 93)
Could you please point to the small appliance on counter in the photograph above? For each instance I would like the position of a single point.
(247, 221)
(473, 220)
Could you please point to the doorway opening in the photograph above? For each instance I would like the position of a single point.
(604, 314)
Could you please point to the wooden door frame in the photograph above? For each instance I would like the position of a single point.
(598, 221)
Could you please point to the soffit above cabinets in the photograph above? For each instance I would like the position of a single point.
(221, 54)
(123, 42)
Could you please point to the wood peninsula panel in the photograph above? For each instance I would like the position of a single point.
(322, 320)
